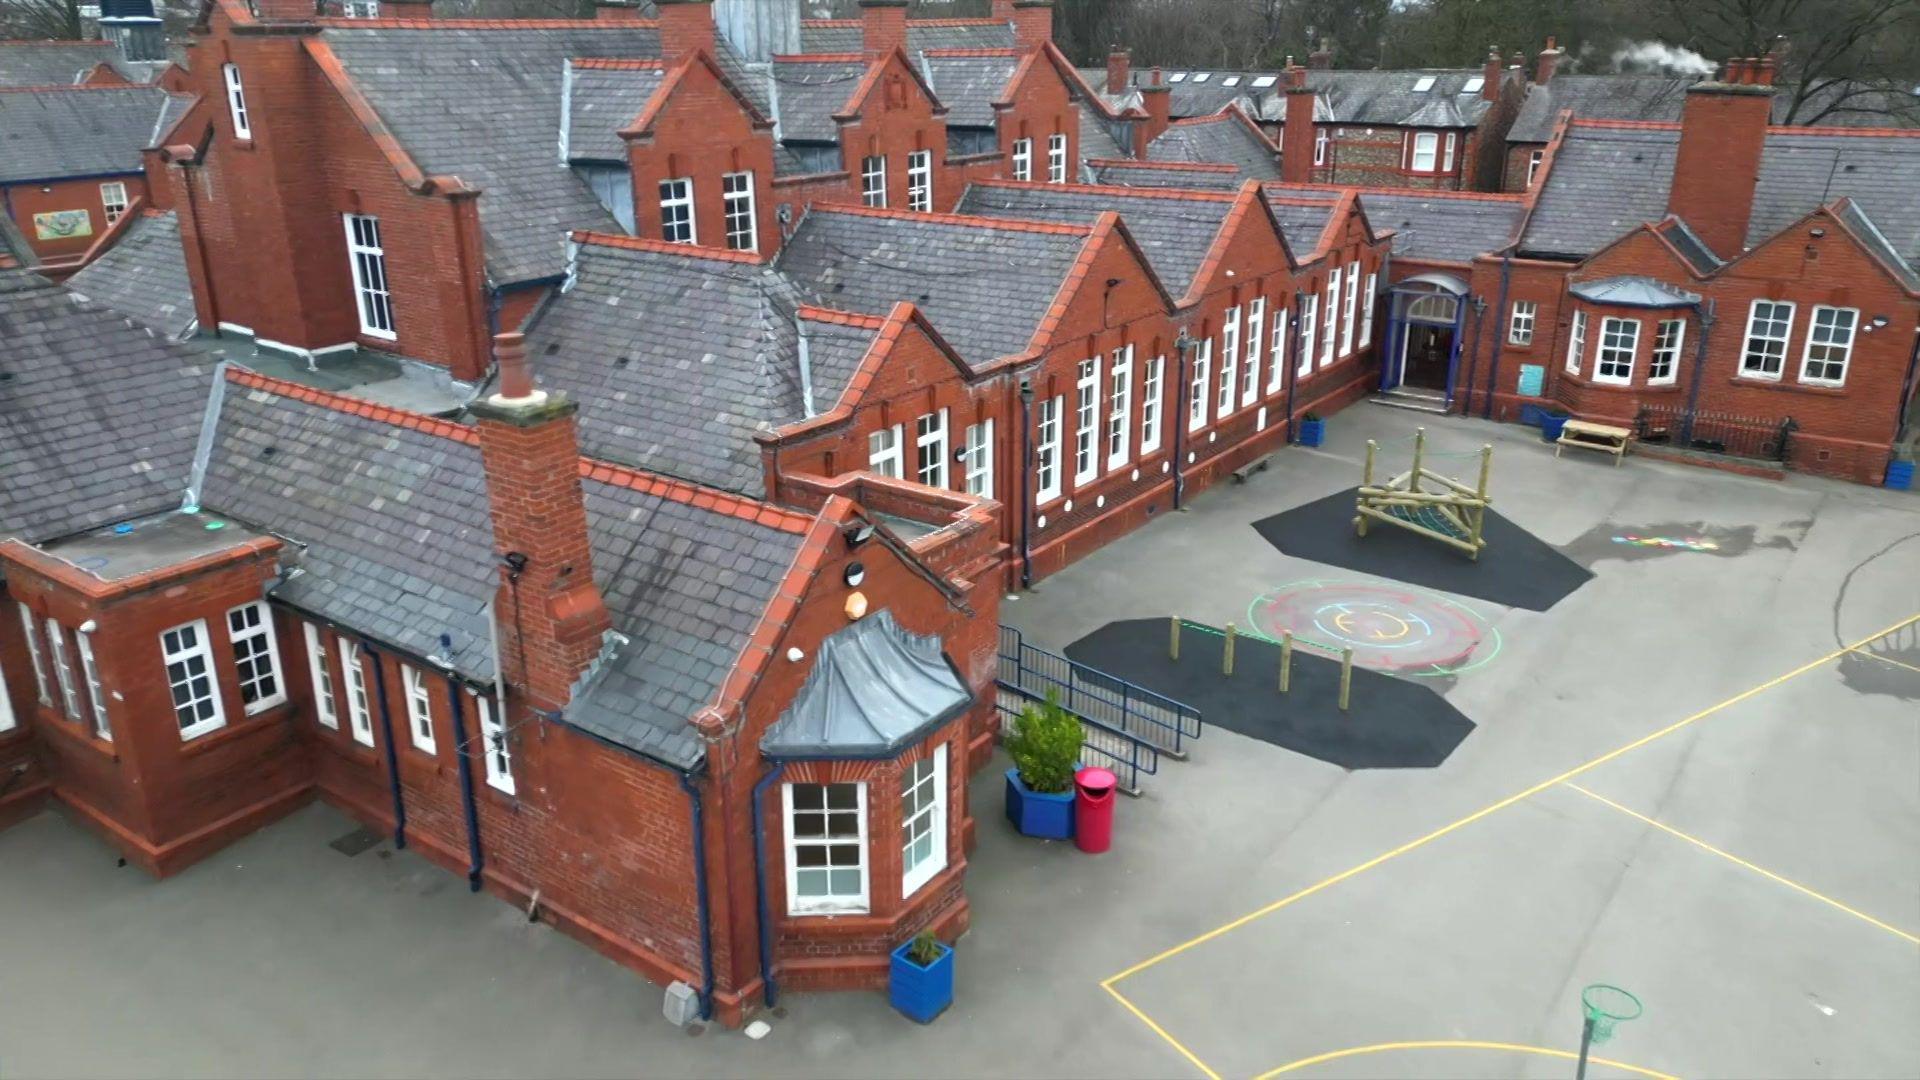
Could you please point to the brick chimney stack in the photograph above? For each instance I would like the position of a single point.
(286, 10)
(1723, 129)
(1001, 10)
(1156, 100)
(1032, 23)
(883, 27)
(551, 618)
(1549, 60)
(1490, 74)
(1119, 70)
(406, 9)
(1297, 132)
(685, 26)
(616, 11)
(1321, 59)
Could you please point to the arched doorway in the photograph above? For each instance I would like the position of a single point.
(1425, 315)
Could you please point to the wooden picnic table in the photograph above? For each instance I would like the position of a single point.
(1591, 436)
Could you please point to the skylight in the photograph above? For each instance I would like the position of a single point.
(1473, 85)
(1178, 76)
(1231, 80)
(1425, 84)
(1264, 81)
(1202, 76)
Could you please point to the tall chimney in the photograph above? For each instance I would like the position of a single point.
(1296, 134)
(1156, 100)
(1549, 59)
(685, 26)
(551, 618)
(1321, 59)
(1032, 23)
(1723, 129)
(883, 27)
(1490, 74)
(1119, 70)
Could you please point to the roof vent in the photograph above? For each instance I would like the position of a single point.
(1473, 85)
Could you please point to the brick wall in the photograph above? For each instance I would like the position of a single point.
(25, 200)
(703, 132)
(1382, 157)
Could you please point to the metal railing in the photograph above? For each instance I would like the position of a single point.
(1756, 437)
(1128, 757)
(1088, 692)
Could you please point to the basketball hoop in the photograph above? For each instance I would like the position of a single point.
(1606, 1006)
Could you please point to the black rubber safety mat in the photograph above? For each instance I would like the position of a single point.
(1516, 569)
(1391, 723)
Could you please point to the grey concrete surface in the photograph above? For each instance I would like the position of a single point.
(283, 957)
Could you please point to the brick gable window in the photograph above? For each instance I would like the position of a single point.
(1056, 159)
(923, 820)
(1520, 322)
(359, 713)
(1619, 338)
(1047, 452)
(676, 211)
(826, 848)
(1348, 314)
(978, 466)
(884, 451)
(6, 704)
(1425, 151)
(368, 260)
(1152, 388)
(1366, 312)
(1533, 166)
(493, 740)
(1229, 363)
(1277, 362)
(930, 448)
(237, 102)
(96, 694)
(1250, 376)
(1120, 407)
(361, 9)
(1577, 343)
(324, 706)
(255, 657)
(1197, 390)
(189, 663)
(1309, 313)
(736, 194)
(920, 180)
(1320, 141)
(1769, 322)
(63, 671)
(419, 708)
(1668, 339)
(1330, 332)
(113, 199)
(873, 181)
(1829, 345)
(34, 657)
(1446, 155)
(1023, 159)
(1086, 424)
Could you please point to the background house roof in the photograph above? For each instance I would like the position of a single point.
(1842, 103)
(987, 288)
(98, 416)
(808, 93)
(677, 360)
(1433, 227)
(844, 36)
(1175, 233)
(1389, 98)
(1168, 174)
(143, 275)
(1228, 138)
(81, 131)
(61, 63)
(969, 85)
(601, 102)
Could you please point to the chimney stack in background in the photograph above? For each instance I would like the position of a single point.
(1549, 60)
(1490, 74)
(1119, 70)
(686, 26)
(1321, 59)
(616, 11)
(1032, 23)
(1297, 133)
(883, 27)
(1156, 100)
(1723, 129)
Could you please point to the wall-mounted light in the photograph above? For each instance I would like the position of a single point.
(796, 654)
(856, 605)
(1879, 321)
(857, 534)
(1816, 233)
(855, 574)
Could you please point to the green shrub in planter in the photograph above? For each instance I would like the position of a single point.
(1045, 746)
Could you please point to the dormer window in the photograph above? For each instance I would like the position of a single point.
(1231, 80)
(1178, 76)
(237, 102)
(1264, 81)
(1424, 84)
(1202, 76)
(1473, 85)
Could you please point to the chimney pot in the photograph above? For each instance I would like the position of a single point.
(516, 378)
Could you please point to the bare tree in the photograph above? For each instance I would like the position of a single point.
(37, 19)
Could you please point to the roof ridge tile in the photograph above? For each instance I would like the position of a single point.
(1119, 190)
(1006, 225)
(663, 247)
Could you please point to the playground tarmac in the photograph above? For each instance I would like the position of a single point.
(1693, 777)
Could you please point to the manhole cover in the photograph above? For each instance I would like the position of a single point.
(357, 841)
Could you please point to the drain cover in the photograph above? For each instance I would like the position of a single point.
(357, 841)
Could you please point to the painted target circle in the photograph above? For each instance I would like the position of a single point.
(1390, 627)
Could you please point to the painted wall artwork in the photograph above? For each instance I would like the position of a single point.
(62, 224)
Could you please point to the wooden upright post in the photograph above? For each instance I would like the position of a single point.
(1419, 451)
(1173, 638)
(1226, 661)
(1286, 660)
(1346, 676)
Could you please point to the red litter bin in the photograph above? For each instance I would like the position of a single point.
(1093, 809)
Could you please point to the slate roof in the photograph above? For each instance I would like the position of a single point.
(1302, 222)
(808, 93)
(1633, 291)
(843, 35)
(834, 352)
(874, 689)
(1203, 97)
(1661, 98)
(79, 131)
(1876, 241)
(57, 63)
(969, 85)
(391, 523)
(1227, 138)
(1096, 138)
(14, 249)
(686, 586)
(144, 275)
(1433, 227)
(1692, 249)
(1170, 174)
(1388, 98)
(1605, 180)
(676, 358)
(98, 416)
(1175, 233)
(483, 103)
(601, 102)
(986, 287)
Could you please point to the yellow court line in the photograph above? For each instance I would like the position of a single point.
(1460, 1044)
(1738, 861)
(1886, 660)
(1543, 785)
(1162, 1032)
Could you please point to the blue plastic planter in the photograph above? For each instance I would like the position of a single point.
(1900, 475)
(1551, 425)
(1312, 432)
(920, 993)
(1047, 816)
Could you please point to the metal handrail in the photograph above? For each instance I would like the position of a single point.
(1162, 721)
(1128, 756)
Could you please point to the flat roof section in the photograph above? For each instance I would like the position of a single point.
(118, 552)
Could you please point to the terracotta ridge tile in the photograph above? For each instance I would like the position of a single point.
(690, 494)
(1006, 225)
(662, 247)
(610, 63)
(1175, 194)
(841, 318)
(429, 425)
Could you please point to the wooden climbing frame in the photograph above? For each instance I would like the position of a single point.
(1445, 509)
